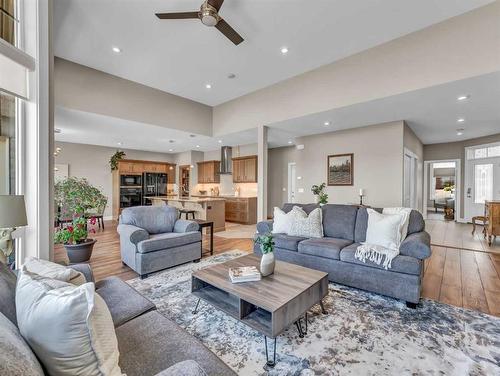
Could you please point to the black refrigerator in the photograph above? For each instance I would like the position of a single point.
(153, 184)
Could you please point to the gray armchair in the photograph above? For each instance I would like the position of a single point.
(152, 239)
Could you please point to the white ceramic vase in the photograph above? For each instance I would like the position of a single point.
(267, 264)
(316, 199)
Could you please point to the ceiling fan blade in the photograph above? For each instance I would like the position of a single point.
(229, 32)
(216, 3)
(177, 16)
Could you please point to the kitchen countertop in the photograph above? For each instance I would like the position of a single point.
(223, 196)
(188, 199)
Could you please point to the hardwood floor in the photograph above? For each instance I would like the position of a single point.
(452, 275)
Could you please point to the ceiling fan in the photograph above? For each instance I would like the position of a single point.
(209, 16)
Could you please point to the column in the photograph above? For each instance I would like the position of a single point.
(262, 173)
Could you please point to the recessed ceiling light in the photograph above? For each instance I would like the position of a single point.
(327, 123)
(119, 143)
(220, 141)
(290, 142)
(170, 149)
(463, 97)
(460, 120)
(116, 50)
(284, 50)
(460, 132)
(208, 86)
(197, 146)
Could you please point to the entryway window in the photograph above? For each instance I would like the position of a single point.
(489, 151)
(483, 183)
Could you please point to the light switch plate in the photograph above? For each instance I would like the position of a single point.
(301, 190)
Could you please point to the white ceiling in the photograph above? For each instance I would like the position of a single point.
(432, 113)
(181, 56)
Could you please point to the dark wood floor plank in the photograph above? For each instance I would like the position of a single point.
(431, 285)
(451, 287)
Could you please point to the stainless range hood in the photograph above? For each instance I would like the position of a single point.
(226, 161)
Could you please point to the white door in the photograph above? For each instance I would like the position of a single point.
(292, 182)
(482, 183)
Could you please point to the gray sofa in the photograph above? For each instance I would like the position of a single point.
(152, 239)
(344, 228)
(149, 343)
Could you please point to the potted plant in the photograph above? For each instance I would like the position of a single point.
(267, 262)
(115, 158)
(320, 196)
(76, 199)
(75, 239)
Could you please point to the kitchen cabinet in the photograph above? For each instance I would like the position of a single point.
(241, 210)
(245, 169)
(209, 172)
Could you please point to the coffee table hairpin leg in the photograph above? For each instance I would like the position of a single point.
(270, 363)
(323, 310)
(195, 310)
(298, 324)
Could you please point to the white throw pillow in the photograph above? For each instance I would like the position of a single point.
(52, 270)
(405, 220)
(283, 221)
(310, 226)
(68, 327)
(384, 229)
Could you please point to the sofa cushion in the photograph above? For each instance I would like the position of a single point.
(151, 343)
(309, 226)
(339, 221)
(168, 240)
(324, 247)
(306, 207)
(153, 219)
(8, 293)
(123, 301)
(289, 242)
(16, 357)
(416, 222)
(401, 264)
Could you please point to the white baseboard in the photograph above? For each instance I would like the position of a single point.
(108, 218)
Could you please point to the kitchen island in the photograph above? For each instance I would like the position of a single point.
(207, 208)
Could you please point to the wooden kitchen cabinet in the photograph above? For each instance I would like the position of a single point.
(209, 172)
(241, 210)
(245, 169)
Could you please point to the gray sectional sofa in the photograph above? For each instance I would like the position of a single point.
(149, 343)
(344, 228)
(152, 239)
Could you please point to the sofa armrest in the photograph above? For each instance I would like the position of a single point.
(184, 368)
(183, 225)
(133, 233)
(85, 269)
(416, 245)
(265, 227)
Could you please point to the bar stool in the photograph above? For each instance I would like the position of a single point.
(186, 212)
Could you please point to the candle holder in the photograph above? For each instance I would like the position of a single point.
(361, 200)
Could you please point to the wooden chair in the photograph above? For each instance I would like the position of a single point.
(480, 218)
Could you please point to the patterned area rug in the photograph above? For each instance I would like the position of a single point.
(363, 333)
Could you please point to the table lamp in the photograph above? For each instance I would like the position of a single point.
(12, 215)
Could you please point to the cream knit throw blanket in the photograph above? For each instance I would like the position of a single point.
(384, 254)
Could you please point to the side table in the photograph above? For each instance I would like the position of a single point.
(203, 223)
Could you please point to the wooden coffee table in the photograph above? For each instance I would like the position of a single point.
(270, 305)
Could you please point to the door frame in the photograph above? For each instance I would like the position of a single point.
(458, 186)
(289, 179)
(414, 177)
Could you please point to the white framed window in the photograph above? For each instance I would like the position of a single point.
(483, 183)
(484, 151)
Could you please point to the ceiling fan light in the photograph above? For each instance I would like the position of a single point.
(209, 18)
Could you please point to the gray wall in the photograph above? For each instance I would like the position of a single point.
(92, 162)
(456, 150)
(378, 166)
(85, 89)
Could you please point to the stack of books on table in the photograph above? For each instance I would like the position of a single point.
(244, 274)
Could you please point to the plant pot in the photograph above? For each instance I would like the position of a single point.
(80, 252)
(267, 264)
(316, 199)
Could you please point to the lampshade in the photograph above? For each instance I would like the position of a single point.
(12, 211)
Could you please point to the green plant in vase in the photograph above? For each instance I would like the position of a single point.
(115, 158)
(320, 196)
(266, 245)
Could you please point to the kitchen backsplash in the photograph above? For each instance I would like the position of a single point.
(227, 187)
